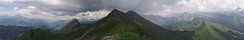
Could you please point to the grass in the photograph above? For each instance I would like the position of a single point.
(131, 26)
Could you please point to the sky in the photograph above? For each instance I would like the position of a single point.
(55, 10)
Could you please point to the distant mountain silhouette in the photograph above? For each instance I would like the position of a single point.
(10, 32)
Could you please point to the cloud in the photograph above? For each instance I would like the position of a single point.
(166, 7)
(214, 5)
(51, 13)
(121, 4)
(53, 10)
(32, 12)
(152, 7)
(73, 7)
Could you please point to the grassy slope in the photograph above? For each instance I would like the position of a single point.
(105, 27)
(213, 31)
(131, 26)
(128, 26)
(116, 24)
(35, 34)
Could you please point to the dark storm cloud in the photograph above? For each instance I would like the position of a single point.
(56, 10)
(73, 7)
(91, 5)
(137, 5)
(67, 7)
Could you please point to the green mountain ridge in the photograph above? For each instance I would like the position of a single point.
(118, 25)
(72, 25)
(213, 31)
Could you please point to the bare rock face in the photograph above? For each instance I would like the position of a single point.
(113, 37)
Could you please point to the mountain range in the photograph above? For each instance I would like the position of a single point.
(24, 21)
(10, 32)
(118, 25)
(231, 19)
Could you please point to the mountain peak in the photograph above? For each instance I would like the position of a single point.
(70, 25)
(115, 12)
(116, 22)
(130, 11)
(75, 20)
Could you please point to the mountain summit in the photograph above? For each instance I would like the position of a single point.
(118, 25)
(115, 12)
(70, 26)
